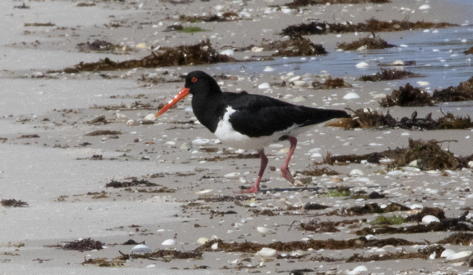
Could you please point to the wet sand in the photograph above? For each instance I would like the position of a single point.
(188, 179)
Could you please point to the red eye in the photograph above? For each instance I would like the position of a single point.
(194, 79)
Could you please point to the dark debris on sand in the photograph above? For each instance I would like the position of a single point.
(372, 25)
(302, 3)
(83, 245)
(251, 247)
(296, 46)
(13, 203)
(166, 255)
(389, 75)
(364, 118)
(201, 53)
(422, 253)
(469, 51)
(427, 154)
(331, 83)
(102, 46)
(130, 182)
(369, 208)
(103, 133)
(370, 43)
(410, 96)
(225, 17)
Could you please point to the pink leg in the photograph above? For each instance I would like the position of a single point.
(255, 187)
(285, 168)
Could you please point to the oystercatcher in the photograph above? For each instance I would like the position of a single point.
(249, 121)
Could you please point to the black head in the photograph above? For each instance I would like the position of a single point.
(201, 82)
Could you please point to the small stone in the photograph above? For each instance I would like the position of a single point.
(351, 95)
(169, 242)
(264, 86)
(266, 252)
(140, 249)
(428, 219)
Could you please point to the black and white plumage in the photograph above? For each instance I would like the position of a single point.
(249, 121)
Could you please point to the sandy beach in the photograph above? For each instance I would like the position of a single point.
(80, 164)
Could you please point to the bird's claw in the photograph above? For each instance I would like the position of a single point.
(253, 189)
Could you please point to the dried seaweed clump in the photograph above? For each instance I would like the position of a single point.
(331, 83)
(201, 53)
(462, 92)
(296, 46)
(389, 75)
(102, 46)
(302, 3)
(372, 25)
(469, 51)
(410, 96)
(407, 96)
(365, 118)
(370, 43)
(226, 16)
(84, 245)
(13, 203)
(428, 155)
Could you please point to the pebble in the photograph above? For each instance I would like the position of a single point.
(202, 240)
(356, 172)
(459, 256)
(200, 141)
(268, 69)
(232, 175)
(214, 246)
(428, 219)
(150, 117)
(140, 249)
(424, 7)
(228, 52)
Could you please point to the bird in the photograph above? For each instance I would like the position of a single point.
(249, 121)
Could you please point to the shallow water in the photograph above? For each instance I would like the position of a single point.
(438, 55)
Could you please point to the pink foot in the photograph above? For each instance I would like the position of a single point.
(251, 190)
(286, 174)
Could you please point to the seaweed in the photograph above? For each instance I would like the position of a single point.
(459, 238)
(434, 211)
(365, 118)
(317, 172)
(389, 75)
(370, 208)
(251, 247)
(102, 46)
(130, 182)
(371, 25)
(83, 245)
(327, 226)
(427, 154)
(410, 96)
(301, 3)
(331, 83)
(104, 262)
(103, 133)
(370, 43)
(225, 17)
(166, 255)
(423, 253)
(200, 53)
(469, 51)
(407, 96)
(13, 203)
(296, 46)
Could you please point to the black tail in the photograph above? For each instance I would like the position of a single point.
(322, 115)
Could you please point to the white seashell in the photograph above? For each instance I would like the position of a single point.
(356, 172)
(370, 237)
(398, 63)
(205, 191)
(257, 49)
(262, 229)
(357, 270)
(266, 252)
(169, 242)
(447, 253)
(268, 69)
(228, 52)
(413, 163)
(141, 46)
(432, 256)
(424, 7)
(351, 95)
(459, 256)
(470, 164)
(294, 78)
(214, 246)
(362, 65)
(130, 122)
(428, 219)
(232, 175)
(200, 141)
(416, 206)
(202, 240)
(264, 85)
(150, 117)
(140, 249)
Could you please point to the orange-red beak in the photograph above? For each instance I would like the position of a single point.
(183, 93)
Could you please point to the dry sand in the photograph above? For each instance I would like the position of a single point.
(61, 173)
